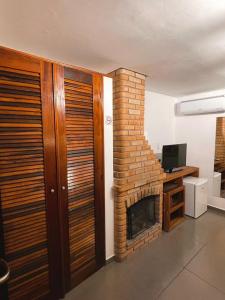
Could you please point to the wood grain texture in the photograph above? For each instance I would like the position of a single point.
(50, 166)
(186, 171)
(21, 61)
(3, 288)
(80, 170)
(99, 167)
(177, 188)
(84, 173)
(26, 145)
(38, 59)
(60, 133)
(51, 175)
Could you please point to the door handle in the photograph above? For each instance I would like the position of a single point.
(4, 271)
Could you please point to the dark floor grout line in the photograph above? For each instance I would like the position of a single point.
(205, 281)
(199, 244)
(171, 281)
(199, 250)
(183, 268)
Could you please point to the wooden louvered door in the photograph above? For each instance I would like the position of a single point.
(28, 187)
(79, 126)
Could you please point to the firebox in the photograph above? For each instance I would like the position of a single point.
(141, 216)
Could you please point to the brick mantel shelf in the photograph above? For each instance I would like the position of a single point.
(137, 172)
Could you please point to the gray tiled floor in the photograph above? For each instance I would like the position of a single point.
(187, 263)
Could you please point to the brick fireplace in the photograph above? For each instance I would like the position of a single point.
(137, 172)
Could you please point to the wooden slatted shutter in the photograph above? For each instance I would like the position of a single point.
(78, 105)
(27, 176)
(52, 230)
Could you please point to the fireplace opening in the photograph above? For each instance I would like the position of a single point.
(141, 216)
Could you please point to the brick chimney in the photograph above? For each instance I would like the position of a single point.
(137, 172)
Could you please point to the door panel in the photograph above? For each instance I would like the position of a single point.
(52, 231)
(27, 176)
(80, 170)
(84, 189)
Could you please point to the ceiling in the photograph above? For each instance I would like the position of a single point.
(179, 44)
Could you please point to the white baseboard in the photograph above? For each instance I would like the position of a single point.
(217, 202)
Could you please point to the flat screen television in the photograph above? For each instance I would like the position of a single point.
(174, 157)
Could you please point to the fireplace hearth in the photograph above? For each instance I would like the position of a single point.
(141, 216)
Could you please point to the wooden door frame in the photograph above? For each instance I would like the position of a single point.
(50, 165)
(3, 288)
(98, 111)
(61, 158)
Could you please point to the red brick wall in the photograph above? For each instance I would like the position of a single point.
(220, 140)
(137, 172)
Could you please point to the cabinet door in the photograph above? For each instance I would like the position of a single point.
(29, 222)
(79, 127)
(200, 199)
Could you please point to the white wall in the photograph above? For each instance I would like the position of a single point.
(199, 132)
(108, 145)
(159, 120)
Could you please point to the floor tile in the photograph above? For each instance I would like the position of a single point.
(189, 287)
(125, 281)
(203, 228)
(156, 267)
(209, 264)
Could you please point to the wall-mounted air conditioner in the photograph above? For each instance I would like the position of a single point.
(201, 106)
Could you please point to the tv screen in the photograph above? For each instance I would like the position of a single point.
(174, 156)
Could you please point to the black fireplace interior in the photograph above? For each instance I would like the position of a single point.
(141, 216)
